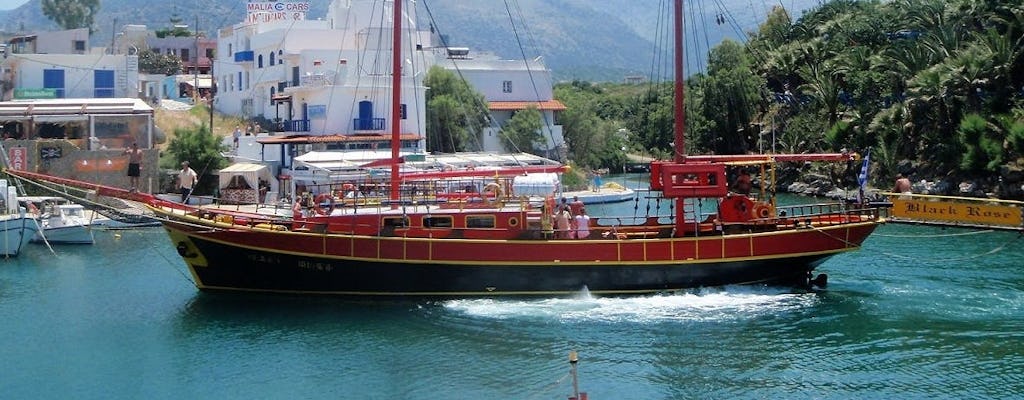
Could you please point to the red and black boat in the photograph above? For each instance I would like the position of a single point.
(502, 244)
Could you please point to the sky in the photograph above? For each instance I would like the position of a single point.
(11, 4)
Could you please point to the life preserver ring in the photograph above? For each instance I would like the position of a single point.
(495, 189)
(322, 198)
(761, 210)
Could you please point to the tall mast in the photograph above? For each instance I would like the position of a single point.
(680, 111)
(396, 98)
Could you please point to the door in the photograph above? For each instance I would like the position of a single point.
(365, 116)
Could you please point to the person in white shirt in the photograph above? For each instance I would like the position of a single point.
(582, 224)
(187, 178)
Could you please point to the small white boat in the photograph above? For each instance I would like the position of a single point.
(16, 226)
(15, 231)
(63, 222)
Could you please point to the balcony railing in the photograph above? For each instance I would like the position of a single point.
(369, 124)
(317, 79)
(292, 125)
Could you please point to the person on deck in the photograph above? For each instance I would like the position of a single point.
(902, 185)
(575, 206)
(187, 178)
(743, 184)
(562, 219)
(582, 224)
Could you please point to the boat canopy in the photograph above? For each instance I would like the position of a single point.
(244, 176)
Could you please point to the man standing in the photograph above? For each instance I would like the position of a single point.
(237, 134)
(576, 205)
(582, 224)
(134, 166)
(743, 183)
(187, 178)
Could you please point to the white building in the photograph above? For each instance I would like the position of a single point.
(331, 77)
(324, 77)
(510, 86)
(56, 65)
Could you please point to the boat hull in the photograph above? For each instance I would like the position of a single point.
(15, 232)
(286, 262)
(69, 234)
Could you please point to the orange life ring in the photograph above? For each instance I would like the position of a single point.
(320, 200)
(761, 210)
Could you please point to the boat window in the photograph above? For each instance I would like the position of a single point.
(437, 222)
(480, 221)
(397, 222)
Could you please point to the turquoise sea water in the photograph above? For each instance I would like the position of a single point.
(919, 312)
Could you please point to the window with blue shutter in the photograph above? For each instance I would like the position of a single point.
(54, 79)
(103, 84)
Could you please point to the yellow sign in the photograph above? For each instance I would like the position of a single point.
(978, 213)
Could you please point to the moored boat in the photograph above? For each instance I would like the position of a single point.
(17, 227)
(489, 240)
(62, 222)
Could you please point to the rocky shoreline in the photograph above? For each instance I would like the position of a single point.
(1007, 185)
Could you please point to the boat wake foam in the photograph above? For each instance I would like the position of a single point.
(721, 304)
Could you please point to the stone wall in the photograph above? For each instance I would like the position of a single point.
(66, 158)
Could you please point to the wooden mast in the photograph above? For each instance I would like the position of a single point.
(396, 99)
(679, 147)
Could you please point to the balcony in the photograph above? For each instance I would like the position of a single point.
(244, 56)
(317, 79)
(292, 125)
(369, 124)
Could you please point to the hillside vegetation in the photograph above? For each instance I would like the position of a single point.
(933, 89)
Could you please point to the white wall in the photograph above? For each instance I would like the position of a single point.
(78, 72)
(62, 42)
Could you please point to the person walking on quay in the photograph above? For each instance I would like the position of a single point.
(235, 136)
(134, 166)
(187, 179)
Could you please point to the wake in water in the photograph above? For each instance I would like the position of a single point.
(721, 304)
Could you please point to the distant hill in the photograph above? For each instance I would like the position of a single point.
(579, 39)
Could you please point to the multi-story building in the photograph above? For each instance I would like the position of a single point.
(325, 77)
(331, 77)
(510, 86)
(62, 65)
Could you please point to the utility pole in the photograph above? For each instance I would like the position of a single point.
(113, 35)
(195, 68)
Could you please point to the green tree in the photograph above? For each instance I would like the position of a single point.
(982, 151)
(202, 149)
(456, 114)
(177, 29)
(151, 62)
(522, 131)
(71, 14)
(732, 96)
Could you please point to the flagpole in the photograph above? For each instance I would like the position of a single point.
(862, 178)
